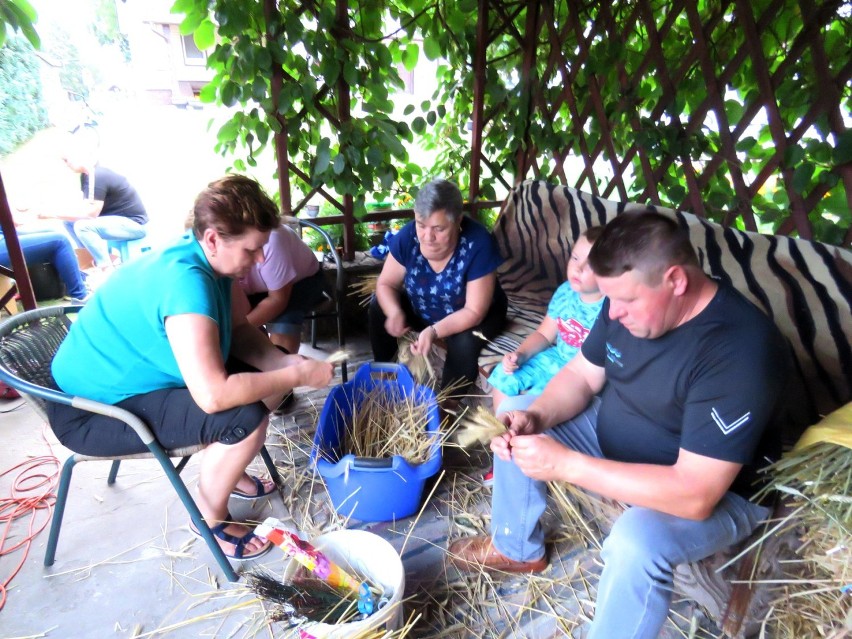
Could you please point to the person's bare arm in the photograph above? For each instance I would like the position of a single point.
(84, 209)
(690, 488)
(194, 340)
(388, 289)
(478, 296)
(567, 394)
(271, 306)
(540, 339)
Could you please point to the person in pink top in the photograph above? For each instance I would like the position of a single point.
(286, 285)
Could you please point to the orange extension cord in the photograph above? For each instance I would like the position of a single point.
(33, 491)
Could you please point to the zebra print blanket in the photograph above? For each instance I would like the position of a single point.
(804, 286)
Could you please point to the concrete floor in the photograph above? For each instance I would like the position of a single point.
(126, 562)
(127, 565)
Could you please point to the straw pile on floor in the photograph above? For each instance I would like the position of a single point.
(815, 597)
(450, 606)
(443, 604)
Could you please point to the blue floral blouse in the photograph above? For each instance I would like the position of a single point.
(436, 295)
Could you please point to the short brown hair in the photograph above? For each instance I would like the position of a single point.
(231, 205)
(592, 233)
(645, 241)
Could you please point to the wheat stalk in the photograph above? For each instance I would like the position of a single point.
(418, 365)
(364, 288)
(479, 427)
(494, 345)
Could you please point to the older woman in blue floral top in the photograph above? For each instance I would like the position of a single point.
(440, 279)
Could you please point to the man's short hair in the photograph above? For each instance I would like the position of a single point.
(645, 241)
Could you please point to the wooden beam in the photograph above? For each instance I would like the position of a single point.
(342, 31)
(478, 100)
(16, 255)
(270, 13)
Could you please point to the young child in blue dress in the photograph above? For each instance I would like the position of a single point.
(572, 311)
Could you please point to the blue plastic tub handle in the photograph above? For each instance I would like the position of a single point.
(364, 375)
(371, 462)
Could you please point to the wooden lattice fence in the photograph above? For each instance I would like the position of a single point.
(735, 110)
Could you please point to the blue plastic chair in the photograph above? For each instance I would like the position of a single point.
(127, 248)
(28, 343)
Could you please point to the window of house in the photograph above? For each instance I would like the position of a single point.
(191, 53)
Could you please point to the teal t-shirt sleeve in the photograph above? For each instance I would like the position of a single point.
(191, 291)
(120, 334)
(560, 299)
(194, 291)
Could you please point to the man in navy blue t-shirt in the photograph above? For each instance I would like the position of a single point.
(111, 208)
(668, 408)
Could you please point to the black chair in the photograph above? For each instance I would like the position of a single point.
(333, 307)
(28, 343)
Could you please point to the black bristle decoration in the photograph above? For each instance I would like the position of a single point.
(300, 601)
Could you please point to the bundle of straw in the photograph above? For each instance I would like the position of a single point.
(815, 599)
(338, 357)
(479, 427)
(583, 512)
(363, 288)
(418, 365)
(385, 423)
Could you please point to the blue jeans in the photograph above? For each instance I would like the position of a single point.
(52, 247)
(92, 234)
(641, 550)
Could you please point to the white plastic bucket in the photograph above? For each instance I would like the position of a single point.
(369, 556)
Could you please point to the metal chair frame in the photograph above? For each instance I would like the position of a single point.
(28, 343)
(339, 293)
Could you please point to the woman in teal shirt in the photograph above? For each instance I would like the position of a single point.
(156, 338)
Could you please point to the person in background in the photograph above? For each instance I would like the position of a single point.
(284, 287)
(440, 279)
(572, 311)
(671, 406)
(41, 246)
(110, 209)
(157, 339)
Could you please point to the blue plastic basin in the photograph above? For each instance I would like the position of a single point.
(371, 489)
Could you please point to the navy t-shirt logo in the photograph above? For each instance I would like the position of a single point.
(725, 427)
